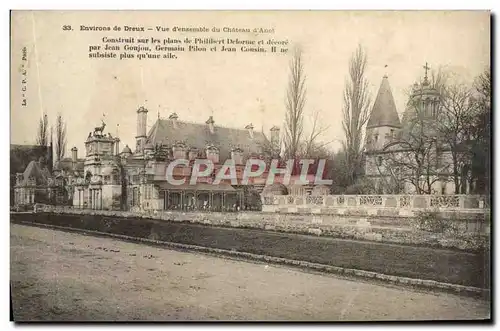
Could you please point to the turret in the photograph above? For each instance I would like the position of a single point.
(383, 124)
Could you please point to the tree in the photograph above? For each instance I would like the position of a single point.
(415, 156)
(311, 147)
(355, 111)
(481, 133)
(60, 145)
(454, 125)
(339, 173)
(295, 101)
(42, 132)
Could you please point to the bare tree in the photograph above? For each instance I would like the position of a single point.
(42, 138)
(454, 125)
(295, 101)
(311, 147)
(415, 156)
(356, 111)
(60, 146)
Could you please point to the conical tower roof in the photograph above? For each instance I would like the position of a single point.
(384, 111)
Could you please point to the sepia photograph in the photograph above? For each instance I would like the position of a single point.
(250, 165)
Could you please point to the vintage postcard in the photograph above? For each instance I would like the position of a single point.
(250, 165)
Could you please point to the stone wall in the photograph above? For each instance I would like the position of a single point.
(376, 205)
(467, 234)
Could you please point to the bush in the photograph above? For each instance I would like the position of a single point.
(362, 186)
(432, 221)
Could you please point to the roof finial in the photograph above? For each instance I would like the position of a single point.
(426, 68)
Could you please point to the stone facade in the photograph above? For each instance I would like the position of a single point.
(110, 179)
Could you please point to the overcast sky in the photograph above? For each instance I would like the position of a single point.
(237, 89)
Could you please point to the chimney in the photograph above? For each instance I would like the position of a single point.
(210, 123)
(117, 146)
(173, 117)
(249, 127)
(74, 157)
(142, 120)
(275, 135)
(74, 154)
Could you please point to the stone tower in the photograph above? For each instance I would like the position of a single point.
(384, 124)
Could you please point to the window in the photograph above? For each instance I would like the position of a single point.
(379, 160)
(107, 178)
(392, 133)
(375, 137)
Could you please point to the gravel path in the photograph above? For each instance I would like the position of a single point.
(66, 276)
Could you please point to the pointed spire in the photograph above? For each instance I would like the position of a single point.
(426, 68)
(384, 111)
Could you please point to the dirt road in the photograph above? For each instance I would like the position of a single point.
(65, 276)
(443, 265)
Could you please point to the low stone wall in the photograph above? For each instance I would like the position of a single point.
(467, 234)
(377, 205)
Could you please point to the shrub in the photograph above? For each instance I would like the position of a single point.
(362, 186)
(432, 221)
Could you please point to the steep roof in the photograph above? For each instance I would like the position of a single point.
(384, 111)
(199, 136)
(35, 170)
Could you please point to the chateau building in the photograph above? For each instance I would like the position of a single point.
(128, 179)
(124, 179)
(408, 155)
